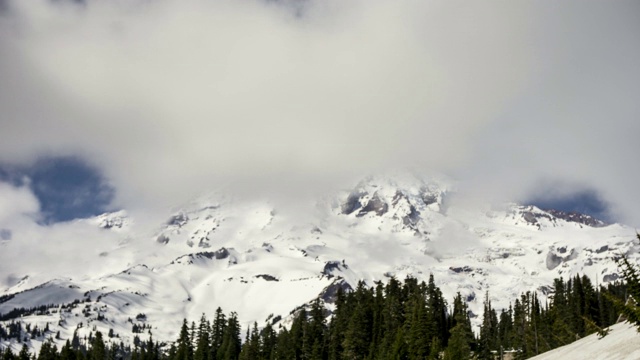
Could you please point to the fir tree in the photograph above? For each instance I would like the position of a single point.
(358, 334)
(630, 309)
(203, 343)
(314, 332)
(458, 348)
(184, 348)
(98, 348)
(231, 345)
(217, 333)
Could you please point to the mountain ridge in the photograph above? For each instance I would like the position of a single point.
(226, 253)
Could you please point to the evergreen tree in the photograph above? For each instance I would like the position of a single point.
(488, 331)
(67, 352)
(358, 335)
(217, 333)
(630, 309)
(438, 308)
(231, 344)
(458, 348)
(8, 354)
(337, 327)
(98, 348)
(420, 325)
(268, 340)
(48, 351)
(24, 353)
(203, 342)
(184, 348)
(314, 333)
(251, 348)
(296, 335)
(283, 349)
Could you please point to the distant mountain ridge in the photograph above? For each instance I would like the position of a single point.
(217, 251)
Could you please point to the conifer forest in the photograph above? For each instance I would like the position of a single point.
(397, 320)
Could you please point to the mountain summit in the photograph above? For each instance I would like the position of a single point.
(263, 262)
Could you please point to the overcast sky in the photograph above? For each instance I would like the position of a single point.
(518, 100)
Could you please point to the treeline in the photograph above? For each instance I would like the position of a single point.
(530, 327)
(397, 320)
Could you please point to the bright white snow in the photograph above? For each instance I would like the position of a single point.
(622, 343)
(262, 262)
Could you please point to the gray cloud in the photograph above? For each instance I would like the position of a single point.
(173, 98)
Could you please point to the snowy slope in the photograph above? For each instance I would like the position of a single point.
(263, 262)
(622, 343)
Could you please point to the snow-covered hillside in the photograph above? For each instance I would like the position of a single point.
(621, 344)
(263, 261)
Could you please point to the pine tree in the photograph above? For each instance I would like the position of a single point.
(296, 335)
(217, 333)
(358, 335)
(48, 351)
(268, 340)
(560, 330)
(458, 348)
(251, 348)
(184, 348)
(438, 308)
(67, 352)
(98, 348)
(314, 332)
(630, 309)
(283, 348)
(8, 354)
(488, 330)
(203, 343)
(420, 325)
(24, 353)
(392, 317)
(337, 327)
(231, 345)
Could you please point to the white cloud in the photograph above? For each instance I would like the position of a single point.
(171, 98)
(16, 202)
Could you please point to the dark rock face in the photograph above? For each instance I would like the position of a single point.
(162, 239)
(329, 294)
(178, 219)
(462, 269)
(553, 215)
(267, 277)
(111, 223)
(429, 199)
(412, 218)
(375, 205)
(222, 253)
(530, 218)
(353, 202)
(331, 266)
(602, 249)
(397, 197)
(553, 261)
(577, 218)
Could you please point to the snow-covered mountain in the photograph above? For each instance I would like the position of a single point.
(263, 262)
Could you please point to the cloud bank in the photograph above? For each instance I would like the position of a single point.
(172, 98)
